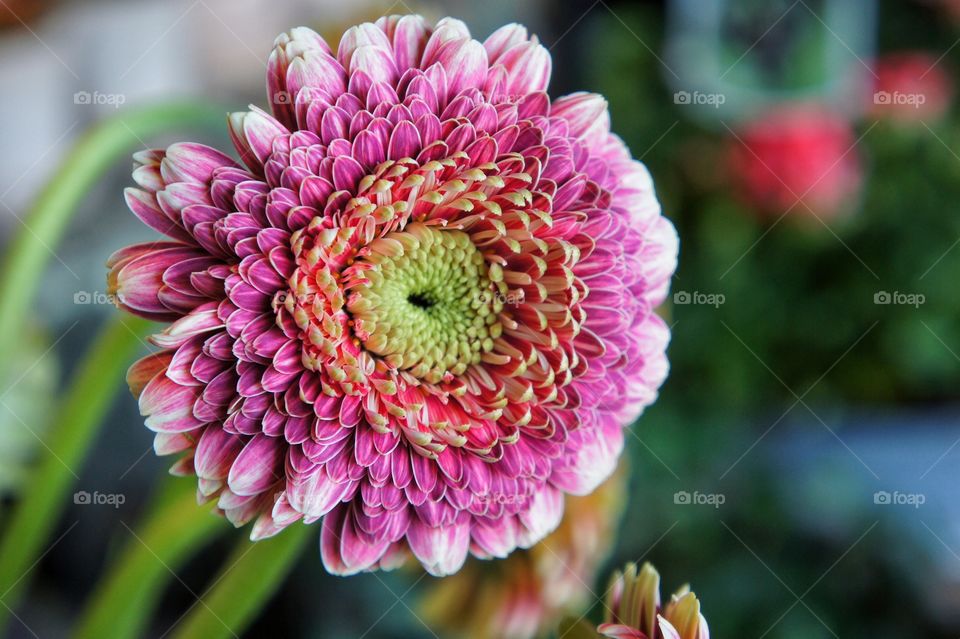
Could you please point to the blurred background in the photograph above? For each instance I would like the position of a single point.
(799, 468)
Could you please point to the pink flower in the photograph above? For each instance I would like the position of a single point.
(421, 310)
(801, 159)
(911, 86)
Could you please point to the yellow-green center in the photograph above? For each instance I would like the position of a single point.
(426, 304)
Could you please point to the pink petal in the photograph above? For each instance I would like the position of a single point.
(257, 467)
(442, 549)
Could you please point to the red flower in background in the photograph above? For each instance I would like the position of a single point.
(798, 159)
(910, 86)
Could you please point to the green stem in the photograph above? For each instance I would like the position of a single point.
(250, 577)
(74, 427)
(90, 394)
(96, 151)
(126, 597)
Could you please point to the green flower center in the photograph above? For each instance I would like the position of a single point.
(425, 302)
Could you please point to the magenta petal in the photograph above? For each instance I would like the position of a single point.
(318, 494)
(404, 141)
(257, 467)
(586, 114)
(168, 406)
(216, 452)
(409, 39)
(528, 68)
(144, 206)
(253, 133)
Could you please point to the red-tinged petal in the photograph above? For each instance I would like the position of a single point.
(145, 369)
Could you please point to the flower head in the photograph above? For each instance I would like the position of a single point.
(634, 610)
(422, 309)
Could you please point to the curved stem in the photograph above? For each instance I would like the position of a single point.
(90, 393)
(75, 424)
(127, 595)
(44, 225)
(249, 578)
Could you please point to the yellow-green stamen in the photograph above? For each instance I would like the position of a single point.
(426, 304)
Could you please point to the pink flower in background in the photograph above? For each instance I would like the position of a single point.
(421, 309)
(911, 86)
(799, 158)
(634, 610)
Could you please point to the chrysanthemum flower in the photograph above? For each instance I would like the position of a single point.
(422, 309)
(634, 610)
(523, 596)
